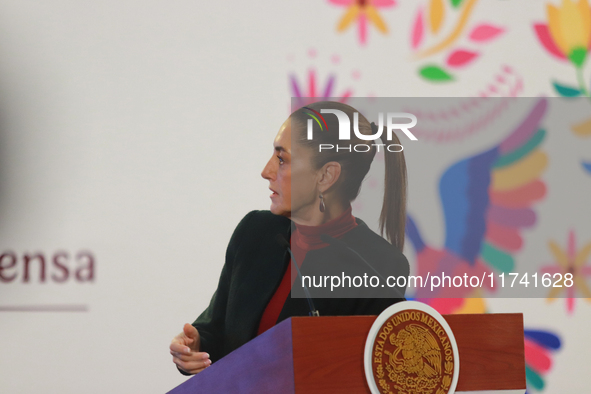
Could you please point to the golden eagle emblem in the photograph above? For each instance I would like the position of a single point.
(412, 354)
(416, 352)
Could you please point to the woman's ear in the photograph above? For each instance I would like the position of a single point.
(329, 175)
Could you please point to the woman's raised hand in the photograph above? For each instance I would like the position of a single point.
(185, 351)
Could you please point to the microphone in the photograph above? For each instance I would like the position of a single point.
(283, 242)
(341, 244)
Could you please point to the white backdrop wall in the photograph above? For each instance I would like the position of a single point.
(115, 142)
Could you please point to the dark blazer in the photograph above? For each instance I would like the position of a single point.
(255, 264)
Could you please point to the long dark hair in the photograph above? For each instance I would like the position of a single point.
(355, 165)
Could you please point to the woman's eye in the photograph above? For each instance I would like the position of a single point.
(280, 160)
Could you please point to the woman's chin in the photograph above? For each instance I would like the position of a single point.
(278, 210)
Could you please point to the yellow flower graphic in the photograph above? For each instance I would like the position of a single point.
(363, 11)
(570, 28)
(567, 36)
(573, 263)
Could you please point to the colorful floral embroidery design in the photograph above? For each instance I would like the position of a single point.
(487, 200)
(363, 12)
(539, 345)
(573, 262)
(309, 91)
(431, 19)
(467, 117)
(567, 36)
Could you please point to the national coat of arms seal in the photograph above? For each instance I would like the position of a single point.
(411, 349)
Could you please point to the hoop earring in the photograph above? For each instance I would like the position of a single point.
(322, 206)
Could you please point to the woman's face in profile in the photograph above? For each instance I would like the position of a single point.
(292, 178)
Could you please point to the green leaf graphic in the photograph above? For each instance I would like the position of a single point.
(566, 91)
(456, 3)
(577, 56)
(534, 379)
(435, 74)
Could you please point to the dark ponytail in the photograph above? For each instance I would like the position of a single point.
(393, 215)
(355, 165)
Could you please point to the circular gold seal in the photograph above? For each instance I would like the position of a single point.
(411, 350)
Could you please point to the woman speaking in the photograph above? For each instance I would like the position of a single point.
(311, 194)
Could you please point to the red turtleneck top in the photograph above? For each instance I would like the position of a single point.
(303, 239)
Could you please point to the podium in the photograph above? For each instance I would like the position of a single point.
(325, 355)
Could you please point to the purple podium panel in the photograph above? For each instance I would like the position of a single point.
(263, 365)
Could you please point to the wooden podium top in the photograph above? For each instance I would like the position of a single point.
(327, 352)
(325, 355)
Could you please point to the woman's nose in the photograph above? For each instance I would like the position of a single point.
(268, 170)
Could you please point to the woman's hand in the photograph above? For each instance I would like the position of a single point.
(185, 351)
